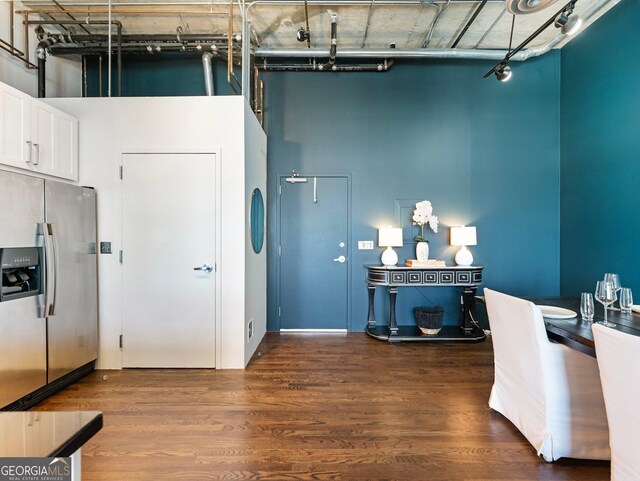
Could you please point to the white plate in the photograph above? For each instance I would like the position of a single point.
(635, 308)
(554, 312)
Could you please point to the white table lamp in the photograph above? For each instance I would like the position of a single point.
(389, 237)
(463, 236)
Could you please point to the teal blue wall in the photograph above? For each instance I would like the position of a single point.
(156, 75)
(600, 152)
(484, 153)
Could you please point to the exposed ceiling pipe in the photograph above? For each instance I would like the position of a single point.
(118, 25)
(439, 12)
(41, 52)
(366, 28)
(334, 38)
(477, 54)
(148, 38)
(382, 53)
(208, 73)
(380, 67)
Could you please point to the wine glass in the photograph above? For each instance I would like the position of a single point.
(614, 279)
(605, 294)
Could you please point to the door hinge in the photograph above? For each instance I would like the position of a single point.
(120, 341)
(280, 251)
(121, 256)
(279, 311)
(121, 171)
(280, 189)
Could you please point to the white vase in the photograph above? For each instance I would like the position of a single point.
(422, 251)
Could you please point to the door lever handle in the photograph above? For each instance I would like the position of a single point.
(340, 259)
(204, 268)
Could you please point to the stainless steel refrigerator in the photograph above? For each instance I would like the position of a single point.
(48, 301)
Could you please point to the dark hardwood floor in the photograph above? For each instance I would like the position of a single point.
(312, 407)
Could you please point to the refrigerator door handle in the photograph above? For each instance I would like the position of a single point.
(54, 277)
(44, 271)
(49, 269)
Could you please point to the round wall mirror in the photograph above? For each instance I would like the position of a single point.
(257, 220)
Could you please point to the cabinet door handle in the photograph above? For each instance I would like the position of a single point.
(37, 146)
(29, 154)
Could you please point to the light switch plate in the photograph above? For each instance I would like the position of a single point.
(365, 245)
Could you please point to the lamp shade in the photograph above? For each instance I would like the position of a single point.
(390, 236)
(463, 236)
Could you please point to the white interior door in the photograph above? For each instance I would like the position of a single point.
(168, 230)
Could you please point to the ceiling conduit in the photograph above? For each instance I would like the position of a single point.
(117, 23)
(208, 73)
(425, 52)
(334, 39)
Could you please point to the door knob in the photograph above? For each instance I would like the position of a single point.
(205, 268)
(340, 259)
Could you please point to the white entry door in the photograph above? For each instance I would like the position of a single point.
(168, 265)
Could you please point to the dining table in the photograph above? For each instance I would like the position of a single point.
(576, 333)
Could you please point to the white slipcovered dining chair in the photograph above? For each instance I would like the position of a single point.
(549, 391)
(619, 360)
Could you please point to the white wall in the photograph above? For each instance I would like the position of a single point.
(63, 76)
(255, 142)
(109, 127)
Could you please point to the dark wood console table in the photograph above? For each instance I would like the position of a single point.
(392, 277)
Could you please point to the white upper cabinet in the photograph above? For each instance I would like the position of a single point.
(37, 137)
(15, 115)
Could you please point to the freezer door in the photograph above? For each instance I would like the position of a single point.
(23, 360)
(72, 326)
(21, 209)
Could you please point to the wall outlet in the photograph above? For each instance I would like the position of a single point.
(365, 245)
(250, 329)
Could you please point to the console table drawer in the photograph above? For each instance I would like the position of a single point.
(463, 277)
(414, 277)
(398, 277)
(430, 277)
(447, 277)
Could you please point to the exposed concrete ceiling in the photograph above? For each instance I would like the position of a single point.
(362, 25)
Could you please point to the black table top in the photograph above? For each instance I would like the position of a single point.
(577, 333)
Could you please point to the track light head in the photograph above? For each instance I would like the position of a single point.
(302, 35)
(567, 22)
(572, 25)
(561, 20)
(503, 72)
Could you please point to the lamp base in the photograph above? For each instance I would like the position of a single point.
(464, 257)
(389, 257)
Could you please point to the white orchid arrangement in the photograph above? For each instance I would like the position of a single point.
(422, 215)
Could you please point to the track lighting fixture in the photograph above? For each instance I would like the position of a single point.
(503, 72)
(563, 19)
(566, 22)
(302, 35)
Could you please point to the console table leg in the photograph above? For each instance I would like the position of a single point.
(467, 301)
(393, 325)
(371, 322)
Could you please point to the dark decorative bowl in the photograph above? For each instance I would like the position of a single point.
(429, 319)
